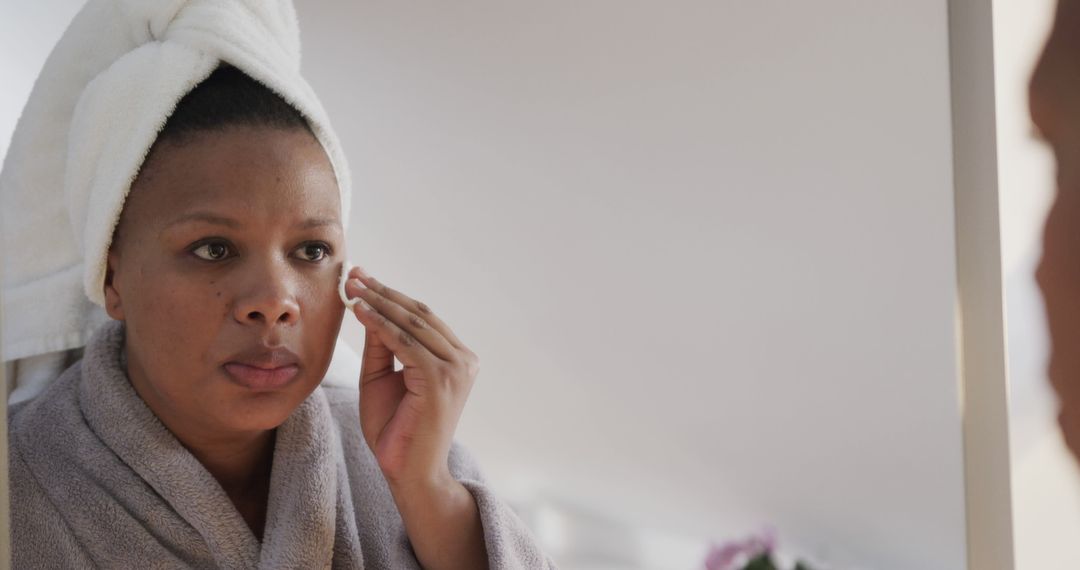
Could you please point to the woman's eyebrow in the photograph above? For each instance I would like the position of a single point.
(206, 217)
(317, 222)
(217, 219)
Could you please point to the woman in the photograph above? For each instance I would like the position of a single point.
(194, 432)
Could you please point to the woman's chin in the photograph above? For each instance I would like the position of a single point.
(261, 411)
(255, 420)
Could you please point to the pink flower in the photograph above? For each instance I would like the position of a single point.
(734, 554)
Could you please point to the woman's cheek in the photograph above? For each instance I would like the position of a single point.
(323, 314)
(320, 298)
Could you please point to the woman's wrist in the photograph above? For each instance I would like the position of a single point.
(442, 520)
(421, 493)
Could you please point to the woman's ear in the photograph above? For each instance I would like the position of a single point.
(113, 305)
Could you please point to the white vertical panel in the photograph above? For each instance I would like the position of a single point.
(980, 302)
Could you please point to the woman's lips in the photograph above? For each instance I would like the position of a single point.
(261, 379)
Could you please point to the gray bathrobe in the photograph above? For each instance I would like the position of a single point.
(98, 481)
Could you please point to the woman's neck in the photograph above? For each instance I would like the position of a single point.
(237, 464)
(242, 468)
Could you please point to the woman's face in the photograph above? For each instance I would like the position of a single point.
(229, 248)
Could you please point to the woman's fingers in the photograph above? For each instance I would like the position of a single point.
(416, 307)
(410, 335)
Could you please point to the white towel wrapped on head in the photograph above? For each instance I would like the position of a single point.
(105, 91)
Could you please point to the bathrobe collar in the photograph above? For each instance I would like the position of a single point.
(309, 502)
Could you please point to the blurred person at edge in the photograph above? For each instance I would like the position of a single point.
(1054, 104)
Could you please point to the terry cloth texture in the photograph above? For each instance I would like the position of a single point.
(98, 481)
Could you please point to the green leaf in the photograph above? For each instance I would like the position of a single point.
(761, 562)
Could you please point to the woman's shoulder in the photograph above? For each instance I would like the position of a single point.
(33, 418)
(344, 404)
(41, 430)
(340, 395)
(40, 536)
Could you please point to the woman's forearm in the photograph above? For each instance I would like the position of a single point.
(443, 524)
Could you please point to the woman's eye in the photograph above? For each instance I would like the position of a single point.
(315, 251)
(213, 251)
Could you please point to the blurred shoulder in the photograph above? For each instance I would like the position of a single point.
(30, 420)
(341, 398)
(344, 404)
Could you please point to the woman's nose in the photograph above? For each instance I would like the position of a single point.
(271, 299)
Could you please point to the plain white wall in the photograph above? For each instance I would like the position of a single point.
(704, 250)
(1046, 496)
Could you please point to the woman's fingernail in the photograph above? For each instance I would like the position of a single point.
(358, 283)
(361, 271)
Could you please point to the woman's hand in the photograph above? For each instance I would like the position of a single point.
(409, 416)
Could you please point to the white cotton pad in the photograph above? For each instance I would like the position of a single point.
(350, 303)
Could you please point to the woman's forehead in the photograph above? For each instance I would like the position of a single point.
(240, 172)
